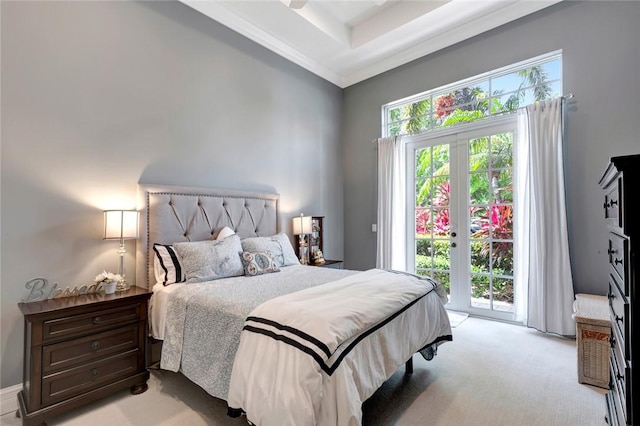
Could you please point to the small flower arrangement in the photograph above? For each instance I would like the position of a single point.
(109, 281)
(107, 277)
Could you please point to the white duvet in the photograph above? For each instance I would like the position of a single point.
(312, 357)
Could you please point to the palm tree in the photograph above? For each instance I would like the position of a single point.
(536, 77)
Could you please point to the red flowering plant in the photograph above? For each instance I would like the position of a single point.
(444, 105)
(441, 220)
(423, 221)
(498, 224)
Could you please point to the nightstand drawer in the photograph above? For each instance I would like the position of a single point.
(77, 325)
(85, 349)
(69, 383)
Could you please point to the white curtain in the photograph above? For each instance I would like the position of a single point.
(543, 277)
(391, 243)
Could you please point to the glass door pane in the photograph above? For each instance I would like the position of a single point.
(432, 213)
(490, 207)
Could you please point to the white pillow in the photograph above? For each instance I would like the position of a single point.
(278, 245)
(211, 259)
(166, 265)
(224, 233)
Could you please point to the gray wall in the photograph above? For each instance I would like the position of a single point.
(601, 66)
(98, 96)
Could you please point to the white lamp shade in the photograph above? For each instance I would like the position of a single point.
(302, 225)
(120, 224)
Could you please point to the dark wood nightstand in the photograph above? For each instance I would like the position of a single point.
(336, 264)
(81, 349)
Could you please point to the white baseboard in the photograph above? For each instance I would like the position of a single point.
(9, 399)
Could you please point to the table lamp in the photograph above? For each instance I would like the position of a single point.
(121, 225)
(302, 228)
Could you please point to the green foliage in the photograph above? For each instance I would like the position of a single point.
(482, 286)
(467, 104)
(432, 170)
(536, 77)
(418, 112)
(481, 283)
(460, 116)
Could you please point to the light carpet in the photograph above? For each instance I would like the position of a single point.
(492, 373)
(456, 318)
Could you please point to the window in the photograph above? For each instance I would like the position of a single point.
(460, 190)
(497, 92)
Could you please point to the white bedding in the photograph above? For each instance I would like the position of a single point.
(204, 320)
(312, 357)
(158, 307)
(201, 327)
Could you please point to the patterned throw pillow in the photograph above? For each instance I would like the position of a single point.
(278, 245)
(258, 263)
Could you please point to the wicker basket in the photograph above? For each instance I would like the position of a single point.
(593, 334)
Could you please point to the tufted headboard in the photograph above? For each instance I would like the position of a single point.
(170, 214)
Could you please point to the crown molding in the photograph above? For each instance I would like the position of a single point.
(452, 23)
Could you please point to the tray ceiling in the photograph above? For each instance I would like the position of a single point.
(349, 41)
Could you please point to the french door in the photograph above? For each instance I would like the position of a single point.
(460, 216)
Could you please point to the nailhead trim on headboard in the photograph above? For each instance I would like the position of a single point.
(173, 214)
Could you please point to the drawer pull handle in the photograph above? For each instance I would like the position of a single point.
(96, 320)
(611, 296)
(606, 205)
(613, 342)
(617, 261)
(619, 377)
(611, 251)
(613, 203)
(619, 319)
(94, 372)
(95, 345)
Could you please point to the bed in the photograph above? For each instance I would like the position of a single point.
(290, 347)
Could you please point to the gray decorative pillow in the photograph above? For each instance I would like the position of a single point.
(258, 263)
(211, 259)
(278, 245)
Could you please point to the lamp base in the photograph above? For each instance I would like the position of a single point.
(303, 249)
(122, 285)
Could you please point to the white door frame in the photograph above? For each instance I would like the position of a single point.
(457, 138)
